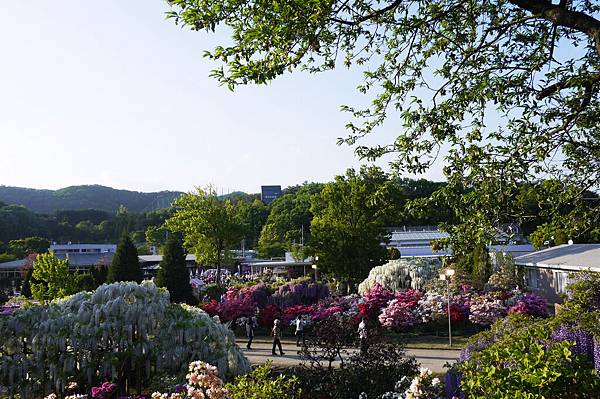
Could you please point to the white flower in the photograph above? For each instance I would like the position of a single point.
(435, 382)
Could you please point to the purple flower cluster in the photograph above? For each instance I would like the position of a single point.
(7, 310)
(299, 294)
(584, 341)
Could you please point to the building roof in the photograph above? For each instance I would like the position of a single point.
(567, 257)
(13, 264)
(158, 258)
(418, 235)
(107, 247)
(87, 258)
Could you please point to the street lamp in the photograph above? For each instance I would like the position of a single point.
(446, 276)
(314, 266)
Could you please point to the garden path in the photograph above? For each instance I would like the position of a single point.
(433, 359)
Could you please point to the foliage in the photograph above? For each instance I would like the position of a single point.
(174, 274)
(52, 278)
(210, 227)
(380, 366)
(214, 291)
(262, 384)
(290, 215)
(402, 274)
(125, 265)
(348, 227)
(3, 297)
(507, 276)
(114, 332)
(501, 87)
(524, 362)
(270, 243)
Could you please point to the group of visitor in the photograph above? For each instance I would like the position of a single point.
(251, 323)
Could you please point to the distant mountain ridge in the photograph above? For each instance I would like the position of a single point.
(86, 197)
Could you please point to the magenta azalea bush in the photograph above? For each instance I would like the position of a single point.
(530, 304)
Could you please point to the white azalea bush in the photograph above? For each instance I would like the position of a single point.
(402, 274)
(116, 332)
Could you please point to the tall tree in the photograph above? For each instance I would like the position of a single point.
(125, 265)
(53, 279)
(173, 273)
(210, 226)
(348, 227)
(508, 90)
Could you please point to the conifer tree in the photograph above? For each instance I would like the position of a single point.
(125, 265)
(173, 273)
(26, 286)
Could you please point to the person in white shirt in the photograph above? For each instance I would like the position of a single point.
(299, 331)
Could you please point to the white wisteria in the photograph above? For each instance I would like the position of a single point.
(401, 274)
(117, 331)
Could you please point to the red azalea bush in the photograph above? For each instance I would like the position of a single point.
(268, 314)
(409, 297)
(212, 307)
(293, 312)
(374, 300)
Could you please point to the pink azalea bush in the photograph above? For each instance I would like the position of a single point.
(486, 309)
(203, 383)
(398, 315)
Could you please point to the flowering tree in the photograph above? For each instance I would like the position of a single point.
(117, 331)
(530, 304)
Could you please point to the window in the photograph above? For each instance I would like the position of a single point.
(533, 278)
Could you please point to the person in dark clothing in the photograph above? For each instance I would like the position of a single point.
(250, 325)
(276, 333)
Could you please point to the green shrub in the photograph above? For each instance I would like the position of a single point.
(262, 384)
(3, 297)
(214, 291)
(524, 362)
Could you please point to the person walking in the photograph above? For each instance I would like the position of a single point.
(299, 331)
(276, 333)
(250, 325)
(363, 336)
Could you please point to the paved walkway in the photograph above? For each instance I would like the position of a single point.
(433, 359)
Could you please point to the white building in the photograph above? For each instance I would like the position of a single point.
(547, 271)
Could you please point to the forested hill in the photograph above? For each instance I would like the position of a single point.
(86, 197)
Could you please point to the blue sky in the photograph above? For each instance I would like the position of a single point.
(109, 92)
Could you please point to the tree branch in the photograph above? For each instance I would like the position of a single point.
(367, 17)
(560, 15)
(591, 80)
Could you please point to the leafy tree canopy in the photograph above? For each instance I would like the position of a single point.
(506, 89)
(210, 227)
(348, 228)
(52, 278)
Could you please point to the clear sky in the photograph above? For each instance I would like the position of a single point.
(109, 92)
